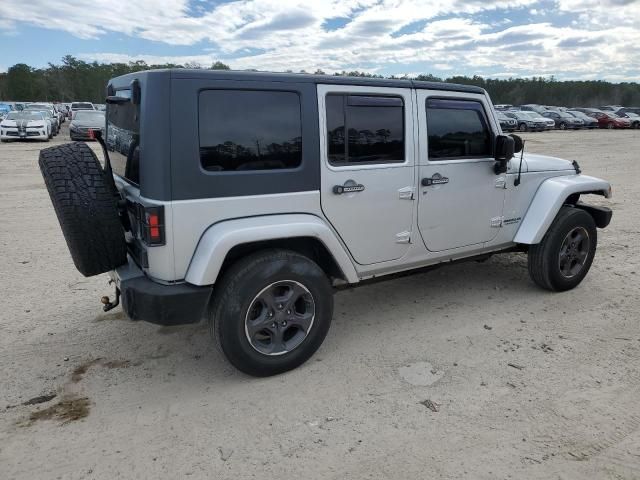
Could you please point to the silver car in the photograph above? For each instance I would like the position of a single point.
(84, 123)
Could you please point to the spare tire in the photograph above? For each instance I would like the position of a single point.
(85, 203)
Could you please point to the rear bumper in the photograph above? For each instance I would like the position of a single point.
(144, 299)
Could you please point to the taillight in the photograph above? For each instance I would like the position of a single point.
(152, 226)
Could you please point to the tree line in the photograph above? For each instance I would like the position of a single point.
(75, 79)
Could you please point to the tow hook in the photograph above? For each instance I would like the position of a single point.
(108, 304)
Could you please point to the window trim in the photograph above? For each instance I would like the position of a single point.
(345, 103)
(461, 159)
(263, 171)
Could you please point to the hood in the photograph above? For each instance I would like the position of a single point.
(544, 163)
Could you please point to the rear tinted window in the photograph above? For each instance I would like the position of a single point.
(82, 106)
(123, 138)
(374, 127)
(457, 129)
(249, 130)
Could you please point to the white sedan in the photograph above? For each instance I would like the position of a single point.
(25, 125)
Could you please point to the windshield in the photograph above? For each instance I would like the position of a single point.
(24, 116)
(90, 115)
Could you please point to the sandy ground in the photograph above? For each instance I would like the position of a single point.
(465, 372)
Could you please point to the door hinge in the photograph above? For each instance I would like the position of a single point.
(496, 222)
(501, 182)
(406, 193)
(403, 237)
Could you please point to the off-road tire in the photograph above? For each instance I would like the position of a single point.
(85, 204)
(544, 268)
(234, 293)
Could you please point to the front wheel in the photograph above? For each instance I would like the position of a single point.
(563, 257)
(523, 127)
(271, 311)
(562, 126)
(610, 126)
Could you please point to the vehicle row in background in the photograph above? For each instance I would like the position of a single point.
(529, 117)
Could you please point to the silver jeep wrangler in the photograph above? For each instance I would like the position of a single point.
(246, 198)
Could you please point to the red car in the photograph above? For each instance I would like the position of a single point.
(610, 120)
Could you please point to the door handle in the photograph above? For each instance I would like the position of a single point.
(436, 179)
(348, 188)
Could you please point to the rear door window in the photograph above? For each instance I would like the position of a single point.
(249, 130)
(365, 129)
(457, 129)
(123, 137)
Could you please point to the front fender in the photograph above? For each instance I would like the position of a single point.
(220, 238)
(548, 200)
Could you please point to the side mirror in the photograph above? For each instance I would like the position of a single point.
(505, 146)
(518, 143)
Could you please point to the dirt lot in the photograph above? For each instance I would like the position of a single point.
(468, 371)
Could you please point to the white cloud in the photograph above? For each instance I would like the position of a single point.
(291, 34)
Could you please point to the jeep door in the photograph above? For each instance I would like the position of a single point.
(367, 175)
(460, 197)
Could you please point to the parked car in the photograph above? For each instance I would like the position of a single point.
(533, 107)
(507, 124)
(635, 110)
(50, 112)
(4, 109)
(563, 120)
(47, 106)
(537, 117)
(526, 123)
(634, 118)
(86, 122)
(610, 120)
(589, 122)
(27, 125)
(261, 199)
(61, 111)
(75, 106)
(610, 108)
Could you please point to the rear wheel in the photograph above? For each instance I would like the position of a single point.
(610, 125)
(563, 257)
(271, 311)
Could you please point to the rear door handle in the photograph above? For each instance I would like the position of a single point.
(347, 188)
(436, 179)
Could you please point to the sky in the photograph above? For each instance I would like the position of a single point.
(569, 39)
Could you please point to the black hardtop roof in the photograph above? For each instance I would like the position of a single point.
(301, 78)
